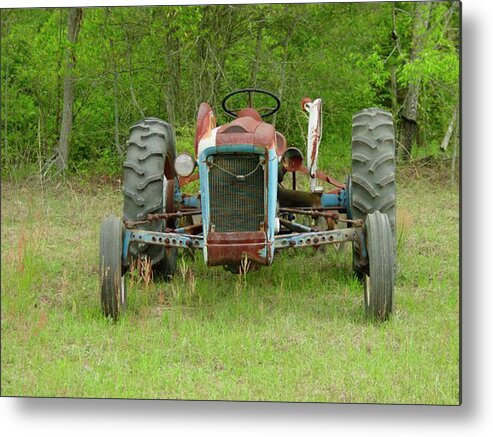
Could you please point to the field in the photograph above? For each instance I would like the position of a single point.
(292, 332)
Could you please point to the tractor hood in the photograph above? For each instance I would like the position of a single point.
(246, 130)
(243, 130)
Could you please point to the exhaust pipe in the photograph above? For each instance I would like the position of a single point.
(292, 159)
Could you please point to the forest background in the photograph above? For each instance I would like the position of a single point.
(74, 80)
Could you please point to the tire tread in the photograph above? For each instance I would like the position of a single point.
(381, 254)
(151, 143)
(373, 168)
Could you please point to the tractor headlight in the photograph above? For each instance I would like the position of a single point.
(184, 164)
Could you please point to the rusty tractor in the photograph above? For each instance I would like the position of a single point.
(244, 212)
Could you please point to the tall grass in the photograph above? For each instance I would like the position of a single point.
(295, 331)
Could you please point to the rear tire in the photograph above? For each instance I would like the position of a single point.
(147, 172)
(380, 279)
(112, 274)
(373, 172)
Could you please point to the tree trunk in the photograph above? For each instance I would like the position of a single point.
(258, 46)
(409, 113)
(393, 92)
(285, 57)
(220, 28)
(6, 114)
(74, 22)
(171, 75)
(454, 156)
(119, 149)
(205, 67)
(450, 129)
(128, 55)
(114, 65)
(59, 68)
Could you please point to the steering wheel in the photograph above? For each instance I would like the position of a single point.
(265, 111)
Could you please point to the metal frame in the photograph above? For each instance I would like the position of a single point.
(316, 239)
(292, 240)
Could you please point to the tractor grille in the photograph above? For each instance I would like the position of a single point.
(236, 204)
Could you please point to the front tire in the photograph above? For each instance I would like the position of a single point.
(112, 274)
(380, 279)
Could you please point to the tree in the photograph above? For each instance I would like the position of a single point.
(409, 112)
(74, 23)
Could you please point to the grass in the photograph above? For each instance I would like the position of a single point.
(292, 332)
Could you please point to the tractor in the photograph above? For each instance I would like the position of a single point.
(244, 211)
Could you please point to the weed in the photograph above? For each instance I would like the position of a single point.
(141, 272)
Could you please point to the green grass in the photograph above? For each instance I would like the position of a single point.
(292, 332)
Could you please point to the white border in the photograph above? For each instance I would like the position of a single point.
(58, 417)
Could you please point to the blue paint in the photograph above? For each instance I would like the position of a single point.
(340, 199)
(263, 252)
(308, 239)
(187, 201)
(271, 201)
(204, 196)
(177, 194)
(245, 148)
(343, 198)
(349, 195)
(329, 200)
(168, 239)
(190, 202)
(126, 246)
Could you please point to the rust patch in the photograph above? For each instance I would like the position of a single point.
(316, 138)
(186, 180)
(304, 101)
(206, 121)
(170, 197)
(165, 216)
(230, 248)
(292, 159)
(246, 130)
(323, 177)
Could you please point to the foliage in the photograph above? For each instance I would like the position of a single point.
(163, 61)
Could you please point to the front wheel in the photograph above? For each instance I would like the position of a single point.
(112, 274)
(379, 279)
